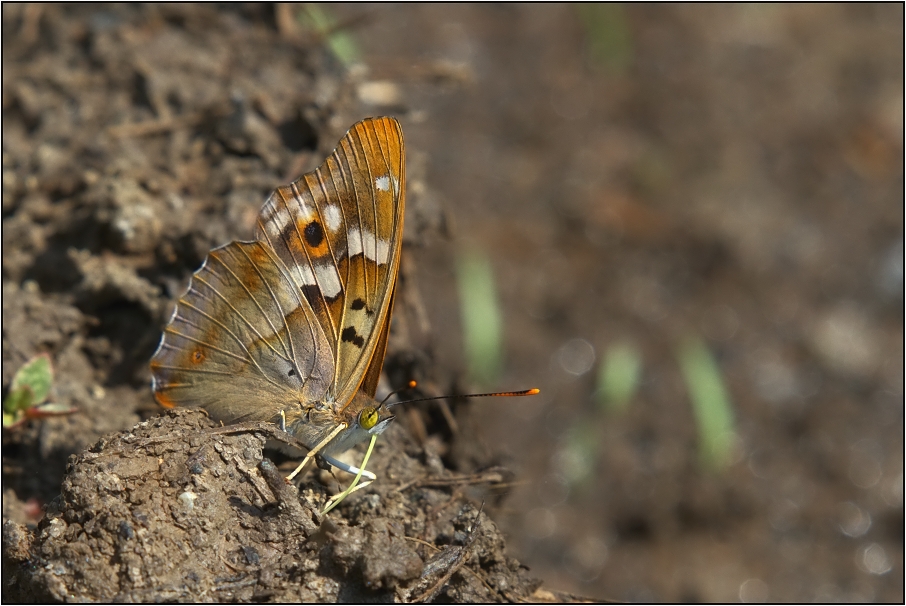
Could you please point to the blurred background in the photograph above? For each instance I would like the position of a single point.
(684, 224)
(693, 216)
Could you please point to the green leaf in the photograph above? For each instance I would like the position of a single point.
(29, 388)
(31, 384)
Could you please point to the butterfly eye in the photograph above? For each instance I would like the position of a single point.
(368, 418)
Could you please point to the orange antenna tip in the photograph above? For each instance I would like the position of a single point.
(525, 392)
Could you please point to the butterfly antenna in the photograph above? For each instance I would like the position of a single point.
(410, 385)
(505, 394)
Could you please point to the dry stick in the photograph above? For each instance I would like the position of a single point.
(430, 593)
(422, 542)
(490, 589)
(475, 478)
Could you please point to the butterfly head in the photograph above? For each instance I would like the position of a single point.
(364, 417)
(374, 419)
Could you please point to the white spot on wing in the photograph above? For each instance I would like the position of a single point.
(334, 218)
(328, 280)
(275, 218)
(354, 242)
(383, 251)
(303, 274)
(382, 183)
(365, 242)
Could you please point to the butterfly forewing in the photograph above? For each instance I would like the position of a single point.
(373, 373)
(338, 232)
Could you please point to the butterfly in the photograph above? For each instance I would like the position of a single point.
(291, 328)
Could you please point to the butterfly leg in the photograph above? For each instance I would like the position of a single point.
(335, 500)
(311, 453)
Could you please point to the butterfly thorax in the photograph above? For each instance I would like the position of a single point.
(363, 416)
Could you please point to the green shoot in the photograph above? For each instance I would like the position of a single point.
(710, 403)
(481, 318)
(608, 39)
(318, 19)
(618, 377)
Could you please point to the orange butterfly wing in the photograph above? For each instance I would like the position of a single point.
(339, 232)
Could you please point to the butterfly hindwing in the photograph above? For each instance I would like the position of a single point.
(338, 232)
(242, 343)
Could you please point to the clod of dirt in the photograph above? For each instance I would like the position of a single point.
(181, 509)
